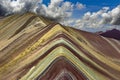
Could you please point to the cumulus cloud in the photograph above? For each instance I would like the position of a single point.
(112, 17)
(2, 11)
(102, 19)
(91, 19)
(17, 6)
(80, 6)
(62, 11)
(57, 10)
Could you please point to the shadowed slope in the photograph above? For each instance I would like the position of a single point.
(49, 51)
(112, 34)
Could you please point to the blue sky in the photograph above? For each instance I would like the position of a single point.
(95, 7)
(92, 2)
(91, 5)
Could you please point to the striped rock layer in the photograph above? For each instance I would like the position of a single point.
(34, 48)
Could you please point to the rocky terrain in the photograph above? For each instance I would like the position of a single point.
(34, 48)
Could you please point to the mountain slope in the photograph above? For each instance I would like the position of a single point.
(115, 34)
(33, 48)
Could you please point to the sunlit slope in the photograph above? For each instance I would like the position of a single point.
(33, 48)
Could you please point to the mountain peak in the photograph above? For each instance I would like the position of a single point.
(34, 48)
(114, 33)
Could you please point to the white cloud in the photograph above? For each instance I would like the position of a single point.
(80, 5)
(113, 16)
(62, 11)
(102, 19)
(18, 6)
(57, 10)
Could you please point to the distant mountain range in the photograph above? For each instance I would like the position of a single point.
(114, 33)
(35, 48)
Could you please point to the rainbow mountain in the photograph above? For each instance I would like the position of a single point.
(34, 48)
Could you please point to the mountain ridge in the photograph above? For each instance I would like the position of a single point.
(114, 33)
(35, 51)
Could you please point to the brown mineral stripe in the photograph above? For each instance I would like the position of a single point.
(62, 35)
(30, 40)
(101, 45)
(76, 54)
(65, 36)
(23, 26)
(86, 53)
(39, 34)
(65, 66)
